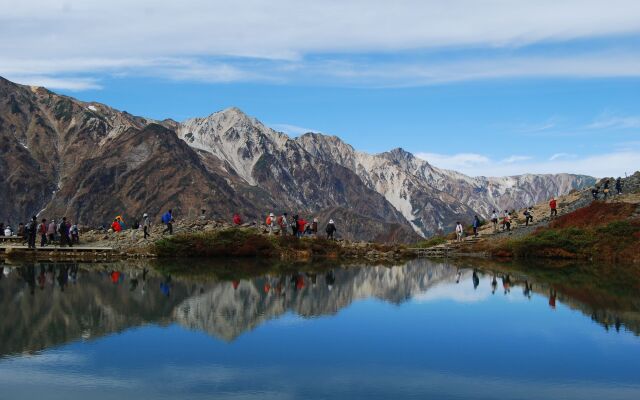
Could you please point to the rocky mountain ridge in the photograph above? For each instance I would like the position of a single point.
(90, 162)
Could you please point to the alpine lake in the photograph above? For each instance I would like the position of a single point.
(245, 329)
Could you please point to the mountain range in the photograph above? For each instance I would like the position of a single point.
(61, 156)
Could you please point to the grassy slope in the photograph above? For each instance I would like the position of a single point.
(600, 231)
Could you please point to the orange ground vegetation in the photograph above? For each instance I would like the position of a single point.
(596, 214)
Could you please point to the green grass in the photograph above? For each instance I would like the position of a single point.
(238, 242)
(601, 242)
(432, 241)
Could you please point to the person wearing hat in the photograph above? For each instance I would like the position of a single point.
(331, 229)
(146, 224)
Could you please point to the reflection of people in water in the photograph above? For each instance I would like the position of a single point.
(62, 277)
(165, 286)
(313, 277)
(115, 277)
(494, 284)
(73, 273)
(29, 276)
(458, 275)
(506, 284)
(526, 291)
(144, 280)
(330, 279)
(476, 279)
(552, 298)
(235, 283)
(41, 277)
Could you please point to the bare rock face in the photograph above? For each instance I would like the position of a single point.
(60, 156)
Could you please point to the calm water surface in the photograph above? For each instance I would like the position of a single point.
(420, 330)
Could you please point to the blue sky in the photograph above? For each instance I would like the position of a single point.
(485, 87)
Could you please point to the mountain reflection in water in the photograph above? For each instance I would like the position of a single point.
(45, 305)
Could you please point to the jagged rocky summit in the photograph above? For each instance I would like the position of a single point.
(89, 162)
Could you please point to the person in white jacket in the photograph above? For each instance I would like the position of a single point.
(459, 231)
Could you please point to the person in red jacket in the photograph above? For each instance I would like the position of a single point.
(236, 219)
(553, 207)
(116, 226)
(301, 226)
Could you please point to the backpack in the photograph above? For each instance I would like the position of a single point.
(268, 220)
(166, 218)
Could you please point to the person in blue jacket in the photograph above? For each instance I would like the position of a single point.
(167, 219)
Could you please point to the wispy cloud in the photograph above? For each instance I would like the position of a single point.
(615, 163)
(292, 130)
(560, 156)
(330, 43)
(613, 121)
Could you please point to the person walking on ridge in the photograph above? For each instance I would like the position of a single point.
(553, 206)
(528, 216)
(63, 229)
(42, 230)
(331, 229)
(476, 225)
(167, 219)
(619, 186)
(459, 231)
(32, 231)
(51, 231)
(494, 221)
(146, 224)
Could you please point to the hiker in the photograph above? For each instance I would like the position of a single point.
(1, 228)
(146, 224)
(32, 231)
(8, 231)
(282, 223)
(528, 216)
(605, 189)
(75, 233)
(203, 214)
(42, 230)
(63, 229)
(116, 226)
(21, 232)
(331, 229)
(167, 219)
(271, 223)
(506, 222)
(459, 231)
(505, 216)
(476, 225)
(494, 221)
(553, 206)
(619, 186)
(294, 225)
(236, 219)
(134, 228)
(302, 224)
(51, 231)
(314, 227)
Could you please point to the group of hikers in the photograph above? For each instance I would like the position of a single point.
(297, 225)
(606, 191)
(280, 225)
(51, 232)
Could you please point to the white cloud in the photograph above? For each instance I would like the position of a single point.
(457, 162)
(289, 28)
(66, 83)
(559, 156)
(288, 40)
(612, 121)
(514, 159)
(614, 163)
(291, 130)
